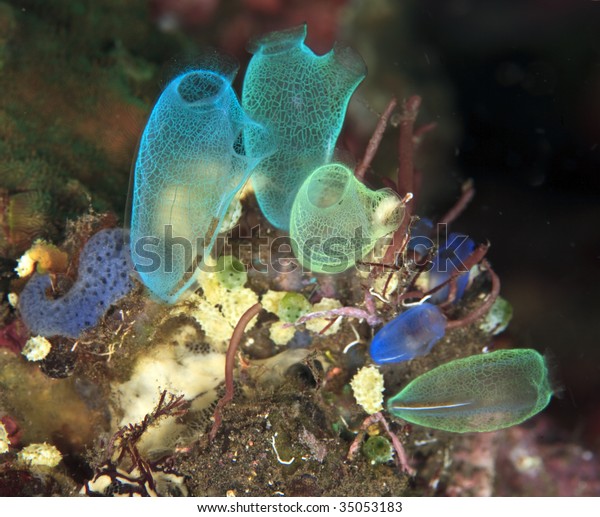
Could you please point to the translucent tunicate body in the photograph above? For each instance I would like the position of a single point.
(192, 160)
(408, 335)
(302, 98)
(479, 393)
(336, 220)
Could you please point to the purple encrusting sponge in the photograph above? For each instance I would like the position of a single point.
(104, 278)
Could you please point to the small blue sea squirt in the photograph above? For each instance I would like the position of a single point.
(448, 261)
(302, 98)
(479, 393)
(408, 335)
(192, 160)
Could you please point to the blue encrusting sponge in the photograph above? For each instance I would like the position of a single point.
(104, 278)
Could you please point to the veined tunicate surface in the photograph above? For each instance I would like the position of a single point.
(336, 220)
(408, 335)
(103, 278)
(302, 98)
(192, 160)
(478, 393)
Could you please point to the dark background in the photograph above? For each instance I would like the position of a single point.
(525, 80)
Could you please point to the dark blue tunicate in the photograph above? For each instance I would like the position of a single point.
(450, 259)
(411, 334)
(102, 280)
(420, 236)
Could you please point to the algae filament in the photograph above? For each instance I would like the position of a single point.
(478, 393)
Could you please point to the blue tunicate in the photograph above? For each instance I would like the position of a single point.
(302, 98)
(420, 236)
(193, 158)
(411, 334)
(104, 278)
(449, 260)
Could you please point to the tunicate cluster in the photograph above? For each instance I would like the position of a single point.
(293, 306)
(302, 98)
(231, 273)
(378, 449)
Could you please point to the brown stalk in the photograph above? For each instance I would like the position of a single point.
(405, 183)
(375, 140)
(234, 342)
(468, 191)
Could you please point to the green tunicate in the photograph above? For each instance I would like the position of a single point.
(302, 99)
(378, 449)
(478, 393)
(293, 306)
(231, 273)
(498, 318)
(336, 220)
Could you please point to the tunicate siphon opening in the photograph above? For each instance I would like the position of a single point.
(350, 60)
(278, 42)
(328, 186)
(200, 87)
